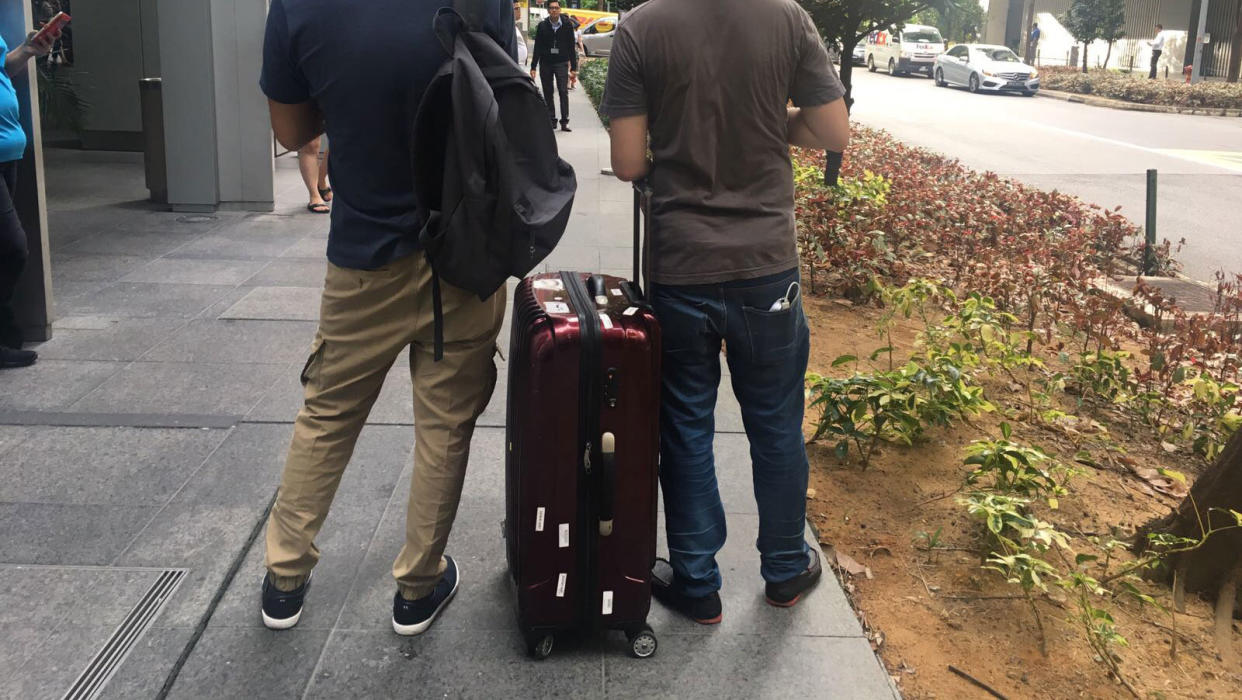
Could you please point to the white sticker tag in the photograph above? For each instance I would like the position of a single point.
(560, 585)
(630, 311)
(553, 284)
(615, 292)
(557, 307)
(606, 320)
(539, 519)
(564, 538)
(607, 607)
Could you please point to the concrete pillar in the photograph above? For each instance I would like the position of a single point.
(998, 20)
(219, 142)
(33, 302)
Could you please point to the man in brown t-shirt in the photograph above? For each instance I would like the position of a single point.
(713, 98)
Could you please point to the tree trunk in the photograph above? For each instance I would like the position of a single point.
(1235, 48)
(1108, 55)
(1084, 57)
(1207, 568)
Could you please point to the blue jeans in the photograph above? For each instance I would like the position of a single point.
(767, 354)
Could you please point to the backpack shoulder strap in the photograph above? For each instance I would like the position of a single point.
(474, 12)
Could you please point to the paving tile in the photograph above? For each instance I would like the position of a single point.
(104, 466)
(52, 384)
(310, 248)
(242, 663)
(236, 342)
(11, 436)
(144, 300)
(143, 673)
(824, 611)
(203, 538)
(748, 666)
(174, 387)
(291, 273)
(36, 596)
(122, 340)
(277, 304)
(450, 663)
(153, 242)
(52, 667)
(94, 268)
(214, 272)
(237, 244)
(44, 533)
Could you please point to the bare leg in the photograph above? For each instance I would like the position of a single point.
(308, 163)
(325, 190)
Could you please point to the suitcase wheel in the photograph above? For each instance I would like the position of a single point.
(539, 647)
(643, 643)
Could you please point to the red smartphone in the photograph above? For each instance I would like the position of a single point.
(53, 26)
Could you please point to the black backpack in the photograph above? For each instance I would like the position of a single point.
(486, 165)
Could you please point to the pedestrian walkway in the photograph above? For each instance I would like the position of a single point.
(138, 458)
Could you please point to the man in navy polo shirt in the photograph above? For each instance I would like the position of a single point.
(361, 68)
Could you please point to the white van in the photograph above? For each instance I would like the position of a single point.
(912, 50)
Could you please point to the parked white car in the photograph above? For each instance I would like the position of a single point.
(912, 50)
(598, 35)
(987, 67)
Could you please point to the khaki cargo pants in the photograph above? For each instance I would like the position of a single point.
(367, 318)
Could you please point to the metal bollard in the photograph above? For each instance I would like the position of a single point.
(1149, 250)
(150, 90)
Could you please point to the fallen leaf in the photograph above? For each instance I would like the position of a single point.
(810, 493)
(1168, 447)
(850, 566)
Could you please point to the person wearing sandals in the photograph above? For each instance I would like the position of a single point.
(313, 162)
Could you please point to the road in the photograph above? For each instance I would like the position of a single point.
(1096, 153)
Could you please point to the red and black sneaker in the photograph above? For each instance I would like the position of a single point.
(786, 594)
(704, 610)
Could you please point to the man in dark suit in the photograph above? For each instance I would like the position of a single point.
(556, 58)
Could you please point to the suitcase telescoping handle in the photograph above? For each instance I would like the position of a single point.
(608, 490)
(642, 212)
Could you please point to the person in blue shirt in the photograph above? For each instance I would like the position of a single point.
(13, 246)
(359, 70)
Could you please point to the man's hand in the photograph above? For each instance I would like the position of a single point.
(36, 46)
(573, 74)
(532, 73)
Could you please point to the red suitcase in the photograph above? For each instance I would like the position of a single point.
(582, 453)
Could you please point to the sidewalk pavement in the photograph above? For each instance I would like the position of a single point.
(138, 458)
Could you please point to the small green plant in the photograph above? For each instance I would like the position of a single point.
(931, 542)
(1013, 468)
(1103, 374)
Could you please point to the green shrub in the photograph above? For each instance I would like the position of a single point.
(593, 73)
(1136, 88)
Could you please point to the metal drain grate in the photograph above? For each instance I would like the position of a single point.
(122, 641)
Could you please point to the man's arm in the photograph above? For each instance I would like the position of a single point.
(825, 127)
(629, 147)
(536, 49)
(15, 61)
(573, 52)
(295, 125)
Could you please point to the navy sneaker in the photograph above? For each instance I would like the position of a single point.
(282, 610)
(786, 594)
(411, 617)
(704, 610)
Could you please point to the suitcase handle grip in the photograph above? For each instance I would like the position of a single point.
(608, 490)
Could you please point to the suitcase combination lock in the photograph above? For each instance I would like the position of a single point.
(610, 388)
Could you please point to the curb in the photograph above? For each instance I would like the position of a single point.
(1095, 101)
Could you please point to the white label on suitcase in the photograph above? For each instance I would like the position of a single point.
(607, 609)
(564, 535)
(560, 586)
(615, 292)
(557, 307)
(606, 320)
(539, 519)
(550, 284)
(630, 311)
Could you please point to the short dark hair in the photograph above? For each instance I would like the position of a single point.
(1159, 26)
(554, 2)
